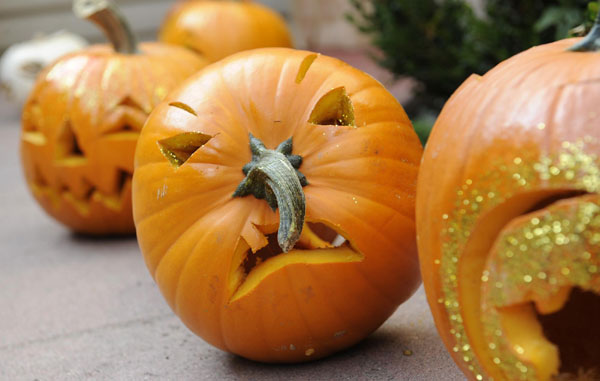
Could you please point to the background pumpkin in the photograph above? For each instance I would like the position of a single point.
(217, 29)
(82, 120)
(214, 256)
(508, 214)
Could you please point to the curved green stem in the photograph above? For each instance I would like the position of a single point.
(107, 16)
(273, 175)
(591, 42)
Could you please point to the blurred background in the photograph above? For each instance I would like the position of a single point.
(421, 50)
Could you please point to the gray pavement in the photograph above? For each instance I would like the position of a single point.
(74, 308)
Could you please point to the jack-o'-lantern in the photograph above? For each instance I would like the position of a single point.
(273, 197)
(217, 29)
(508, 217)
(82, 119)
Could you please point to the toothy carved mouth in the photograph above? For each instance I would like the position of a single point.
(318, 244)
(57, 196)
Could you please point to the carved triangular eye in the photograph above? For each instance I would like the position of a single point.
(334, 108)
(67, 146)
(178, 149)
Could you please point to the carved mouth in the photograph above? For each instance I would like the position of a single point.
(82, 200)
(541, 290)
(318, 244)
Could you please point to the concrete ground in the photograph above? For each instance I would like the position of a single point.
(75, 308)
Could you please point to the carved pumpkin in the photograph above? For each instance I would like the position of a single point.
(82, 120)
(217, 29)
(508, 217)
(249, 144)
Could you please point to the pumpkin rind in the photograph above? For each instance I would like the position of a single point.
(304, 304)
(507, 144)
(80, 127)
(217, 29)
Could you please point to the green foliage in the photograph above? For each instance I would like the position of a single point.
(441, 42)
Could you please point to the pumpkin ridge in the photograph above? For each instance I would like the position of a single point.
(373, 201)
(197, 221)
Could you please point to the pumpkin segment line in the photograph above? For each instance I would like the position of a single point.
(273, 175)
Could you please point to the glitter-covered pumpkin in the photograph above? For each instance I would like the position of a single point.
(82, 119)
(218, 28)
(279, 137)
(508, 216)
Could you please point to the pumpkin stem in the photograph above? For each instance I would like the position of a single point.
(273, 175)
(591, 42)
(110, 19)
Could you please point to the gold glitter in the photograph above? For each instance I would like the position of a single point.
(309, 352)
(519, 349)
(407, 352)
(541, 275)
(521, 277)
(541, 126)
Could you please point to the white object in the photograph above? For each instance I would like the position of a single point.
(21, 63)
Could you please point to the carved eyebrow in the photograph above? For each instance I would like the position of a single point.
(304, 66)
(184, 107)
(178, 148)
(334, 108)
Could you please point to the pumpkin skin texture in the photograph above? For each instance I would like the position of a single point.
(80, 126)
(507, 208)
(217, 29)
(360, 156)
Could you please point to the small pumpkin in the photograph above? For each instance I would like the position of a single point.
(217, 29)
(274, 203)
(508, 216)
(81, 123)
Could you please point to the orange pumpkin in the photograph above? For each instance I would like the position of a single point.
(273, 198)
(82, 120)
(217, 29)
(508, 216)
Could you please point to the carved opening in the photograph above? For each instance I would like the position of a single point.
(67, 147)
(130, 102)
(38, 178)
(178, 149)
(184, 107)
(304, 66)
(315, 235)
(254, 259)
(565, 318)
(36, 138)
(318, 235)
(123, 177)
(576, 332)
(334, 108)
